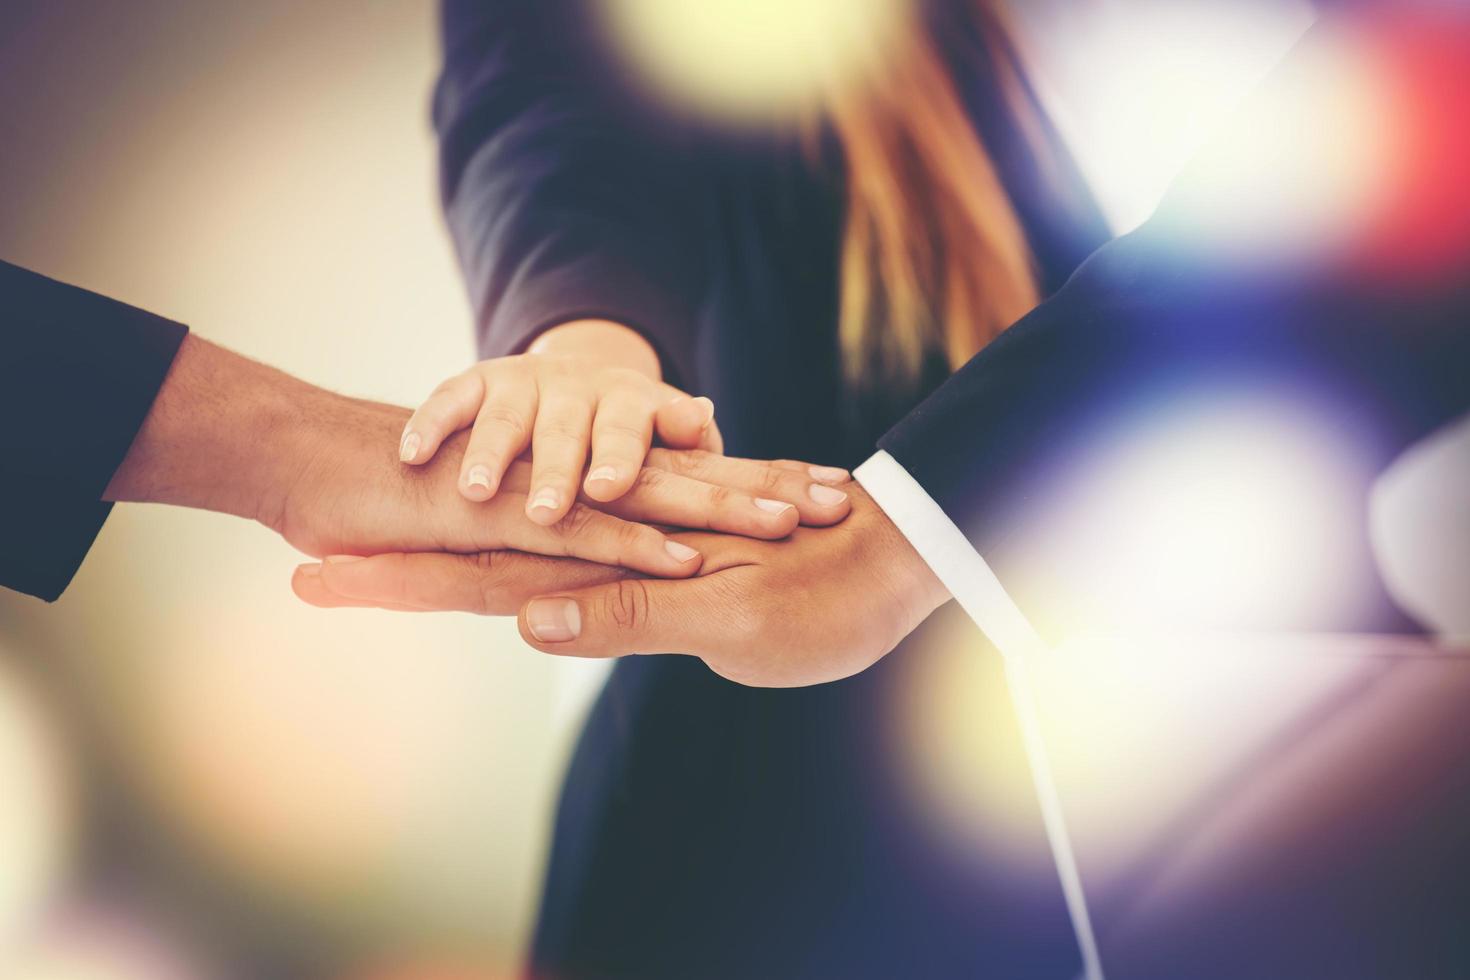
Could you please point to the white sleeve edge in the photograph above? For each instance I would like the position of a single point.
(949, 554)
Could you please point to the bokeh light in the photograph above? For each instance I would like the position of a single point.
(1141, 732)
(1420, 523)
(1137, 86)
(1214, 507)
(278, 196)
(960, 754)
(1420, 235)
(738, 60)
(37, 809)
(1301, 171)
(1142, 736)
(373, 785)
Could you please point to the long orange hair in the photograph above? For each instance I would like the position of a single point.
(934, 259)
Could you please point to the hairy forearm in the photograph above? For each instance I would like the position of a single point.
(603, 341)
(230, 434)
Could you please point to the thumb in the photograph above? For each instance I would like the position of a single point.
(631, 616)
(684, 422)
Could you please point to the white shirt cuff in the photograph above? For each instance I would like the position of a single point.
(949, 554)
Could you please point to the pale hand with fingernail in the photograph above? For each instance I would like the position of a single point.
(586, 387)
(823, 605)
(683, 488)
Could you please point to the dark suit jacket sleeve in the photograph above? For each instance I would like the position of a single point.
(78, 374)
(563, 201)
(1380, 357)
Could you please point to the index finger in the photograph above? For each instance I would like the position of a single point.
(819, 503)
(621, 434)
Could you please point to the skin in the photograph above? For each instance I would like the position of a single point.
(231, 435)
(820, 606)
(584, 386)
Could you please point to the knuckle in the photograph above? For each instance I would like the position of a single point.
(625, 377)
(687, 462)
(772, 480)
(491, 580)
(626, 605)
(559, 430)
(649, 480)
(721, 498)
(504, 415)
(577, 522)
(631, 535)
(622, 429)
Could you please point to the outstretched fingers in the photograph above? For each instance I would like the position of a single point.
(810, 490)
(661, 497)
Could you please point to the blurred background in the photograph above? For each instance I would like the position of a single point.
(194, 764)
(203, 777)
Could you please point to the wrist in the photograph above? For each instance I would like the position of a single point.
(338, 460)
(343, 489)
(909, 577)
(320, 438)
(212, 437)
(608, 343)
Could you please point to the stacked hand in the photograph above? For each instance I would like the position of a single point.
(230, 435)
(783, 586)
(355, 498)
(817, 607)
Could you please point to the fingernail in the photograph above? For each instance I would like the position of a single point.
(826, 496)
(479, 476)
(603, 474)
(772, 506)
(708, 407)
(342, 559)
(409, 447)
(828, 474)
(554, 620)
(314, 570)
(545, 499)
(681, 552)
